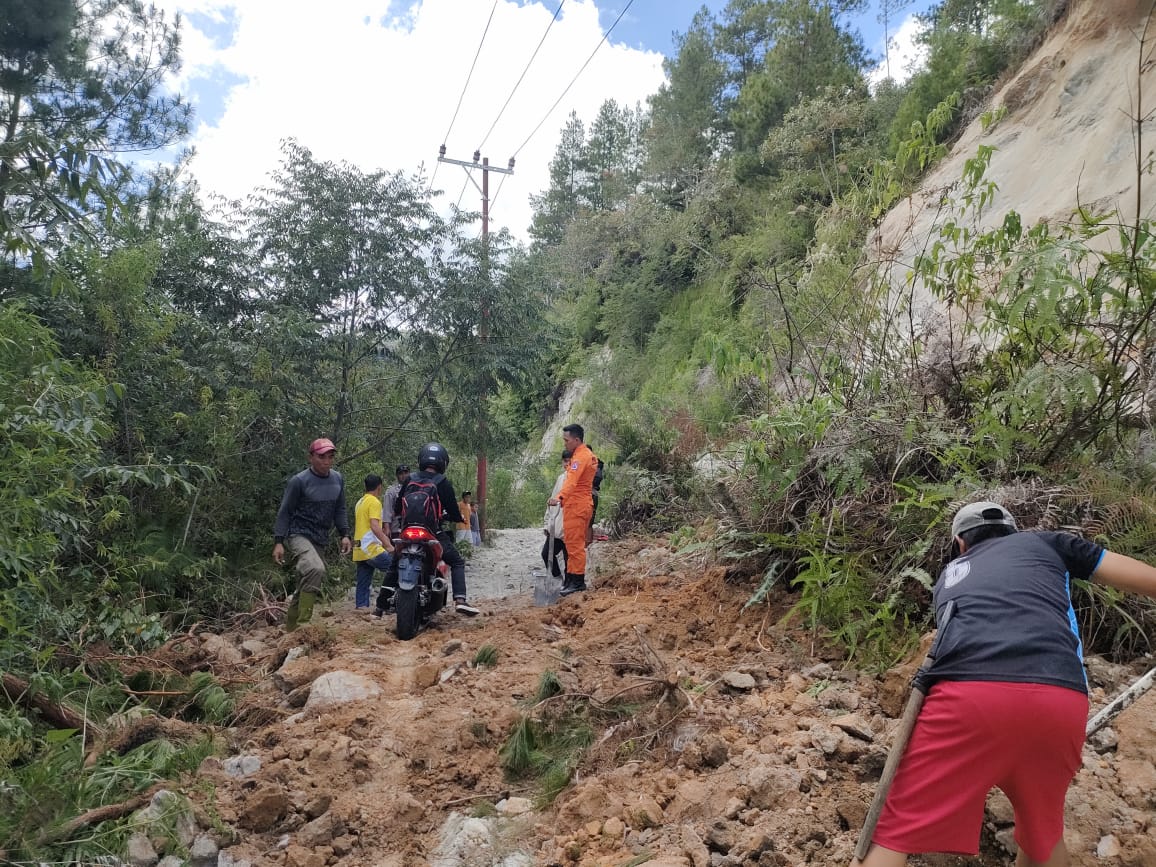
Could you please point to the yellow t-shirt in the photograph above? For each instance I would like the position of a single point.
(368, 545)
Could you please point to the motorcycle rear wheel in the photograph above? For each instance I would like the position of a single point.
(407, 620)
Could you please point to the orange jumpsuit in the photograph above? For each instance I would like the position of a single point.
(577, 498)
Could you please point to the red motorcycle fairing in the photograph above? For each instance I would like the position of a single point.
(421, 534)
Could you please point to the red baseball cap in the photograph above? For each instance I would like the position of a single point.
(321, 445)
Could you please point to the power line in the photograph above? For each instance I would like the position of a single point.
(465, 86)
(529, 63)
(605, 36)
(471, 72)
(497, 192)
(462, 194)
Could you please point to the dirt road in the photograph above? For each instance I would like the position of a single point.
(504, 566)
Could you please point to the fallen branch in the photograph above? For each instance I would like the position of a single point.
(20, 692)
(484, 796)
(100, 814)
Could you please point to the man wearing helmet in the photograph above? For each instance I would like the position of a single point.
(432, 461)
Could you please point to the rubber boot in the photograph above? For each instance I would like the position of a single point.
(308, 600)
(573, 583)
(291, 613)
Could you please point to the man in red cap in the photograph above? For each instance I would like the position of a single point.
(313, 504)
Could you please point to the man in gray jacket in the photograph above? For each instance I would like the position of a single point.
(314, 502)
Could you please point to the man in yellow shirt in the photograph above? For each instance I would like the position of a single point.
(373, 548)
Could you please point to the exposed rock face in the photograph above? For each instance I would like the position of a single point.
(1069, 108)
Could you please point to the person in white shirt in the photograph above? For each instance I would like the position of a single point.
(553, 521)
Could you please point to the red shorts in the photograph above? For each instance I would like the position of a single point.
(1025, 738)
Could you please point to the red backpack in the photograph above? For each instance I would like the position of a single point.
(420, 503)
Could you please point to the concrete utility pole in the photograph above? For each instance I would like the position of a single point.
(484, 328)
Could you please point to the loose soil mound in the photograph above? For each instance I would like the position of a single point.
(715, 736)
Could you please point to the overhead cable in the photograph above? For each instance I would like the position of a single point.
(529, 63)
(462, 194)
(465, 86)
(605, 36)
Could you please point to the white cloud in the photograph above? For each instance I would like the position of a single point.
(381, 95)
(907, 55)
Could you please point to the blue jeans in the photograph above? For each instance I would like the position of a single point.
(382, 561)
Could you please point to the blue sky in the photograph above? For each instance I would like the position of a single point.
(378, 82)
(651, 23)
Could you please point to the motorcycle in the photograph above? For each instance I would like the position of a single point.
(422, 580)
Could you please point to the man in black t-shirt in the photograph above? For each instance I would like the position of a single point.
(1007, 699)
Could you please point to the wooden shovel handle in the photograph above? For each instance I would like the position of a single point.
(902, 736)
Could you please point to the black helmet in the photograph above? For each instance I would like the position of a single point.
(433, 455)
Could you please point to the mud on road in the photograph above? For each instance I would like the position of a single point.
(715, 735)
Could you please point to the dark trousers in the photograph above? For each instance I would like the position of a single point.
(552, 562)
(452, 558)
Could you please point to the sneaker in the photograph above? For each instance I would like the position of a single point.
(390, 600)
(462, 607)
(567, 589)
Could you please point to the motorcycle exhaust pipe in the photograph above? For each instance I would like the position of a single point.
(437, 584)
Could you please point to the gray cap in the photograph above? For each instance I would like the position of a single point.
(980, 515)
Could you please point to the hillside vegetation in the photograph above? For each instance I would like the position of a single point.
(768, 397)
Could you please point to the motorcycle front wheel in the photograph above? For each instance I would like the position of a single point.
(407, 605)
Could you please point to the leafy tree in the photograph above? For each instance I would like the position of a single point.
(611, 157)
(823, 144)
(686, 129)
(969, 44)
(349, 260)
(558, 205)
(53, 419)
(741, 41)
(811, 51)
(81, 84)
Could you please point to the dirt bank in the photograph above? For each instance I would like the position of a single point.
(714, 736)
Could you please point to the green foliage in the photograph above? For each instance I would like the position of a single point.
(686, 120)
(48, 788)
(1064, 310)
(548, 686)
(84, 83)
(770, 580)
(546, 750)
(53, 418)
(807, 50)
(514, 504)
(486, 656)
(970, 44)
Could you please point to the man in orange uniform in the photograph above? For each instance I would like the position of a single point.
(577, 499)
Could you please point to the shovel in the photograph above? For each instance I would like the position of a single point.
(902, 736)
(546, 586)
